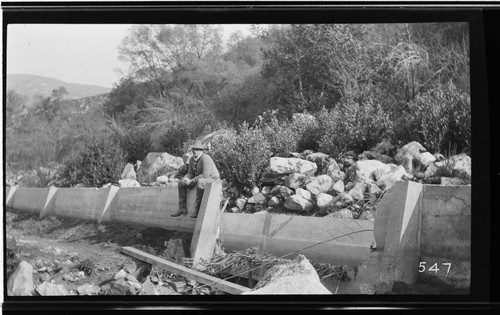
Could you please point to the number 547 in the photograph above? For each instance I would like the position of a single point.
(434, 268)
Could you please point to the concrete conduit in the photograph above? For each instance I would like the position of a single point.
(414, 223)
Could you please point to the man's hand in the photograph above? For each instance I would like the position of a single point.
(186, 181)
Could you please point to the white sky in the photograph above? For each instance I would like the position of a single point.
(75, 53)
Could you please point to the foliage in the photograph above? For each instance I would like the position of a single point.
(352, 125)
(436, 118)
(281, 137)
(99, 163)
(136, 144)
(241, 156)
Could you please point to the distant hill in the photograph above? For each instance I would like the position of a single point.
(31, 85)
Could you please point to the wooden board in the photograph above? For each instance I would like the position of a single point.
(197, 276)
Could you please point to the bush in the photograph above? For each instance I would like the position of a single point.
(438, 117)
(352, 126)
(99, 163)
(136, 144)
(241, 156)
(281, 137)
(307, 132)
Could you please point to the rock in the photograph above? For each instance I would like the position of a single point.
(294, 277)
(372, 188)
(50, 289)
(414, 157)
(240, 203)
(322, 200)
(303, 193)
(439, 157)
(235, 209)
(274, 201)
(366, 288)
(155, 162)
(129, 172)
(88, 289)
(333, 170)
(20, 282)
(295, 180)
(321, 160)
(339, 186)
(128, 183)
(365, 169)
(174, 251)
(373, 155)
(255, 190)
(279, 165)
(358, 192)
(389, 179)
(276, 190)
(367, 215)
(148, 288)
(163, 290)
(297, 203)
(450, 181)
(341, 214)
(461, 165)
(258, 199)
(320, 184)
(120, 274)
(341, 200)
(122, 287)
(285, 192)
(163, 179)
(266, 190)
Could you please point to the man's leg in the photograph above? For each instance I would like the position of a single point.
(182, 189)
(200, 189)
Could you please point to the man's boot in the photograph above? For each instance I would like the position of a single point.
(196, 209)
(182, 210)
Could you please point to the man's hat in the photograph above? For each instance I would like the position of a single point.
(198, 145)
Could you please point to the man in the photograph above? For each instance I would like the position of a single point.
(201, 170)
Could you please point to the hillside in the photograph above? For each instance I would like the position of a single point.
(31, 85)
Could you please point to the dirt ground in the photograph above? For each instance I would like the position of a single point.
(56, 247)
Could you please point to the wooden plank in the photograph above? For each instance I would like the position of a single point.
(185, 272)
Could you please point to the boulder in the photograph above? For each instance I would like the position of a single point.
(88, 289)
(320, 184)
(20, 282)
(255, 190)
(266, 190)
(322, 200)
(273, 202)
(373, 155)
(120, 274)
(388, 180)
(461, 164)
(258, 199)
(372, 188)
(295, 180)
(321, 160)
(128, 183)
(283, 166)
(285, 192)
(358, 192)
(294, 277)
(365, 169)
(340, 201)
(341, 214)
(123, 287)
(240, 203)
(50, 289)
(414, 157)
(155, 162)
(333, 170)
(298, 203)
(339, 186)
(303, 193)
(136, 268)
(128, 172)
(163, 179)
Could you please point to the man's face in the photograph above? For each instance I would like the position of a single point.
(197, 152)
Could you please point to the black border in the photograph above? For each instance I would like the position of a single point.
(485, 42)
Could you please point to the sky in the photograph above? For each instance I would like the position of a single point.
(75, 53)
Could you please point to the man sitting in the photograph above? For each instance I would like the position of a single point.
(201, 170)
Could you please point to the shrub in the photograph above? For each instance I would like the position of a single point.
(352, 126)
(136, 144)
(281, 136)
(307, 132)
(437, 117)
(241, 156)
(99, 163)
